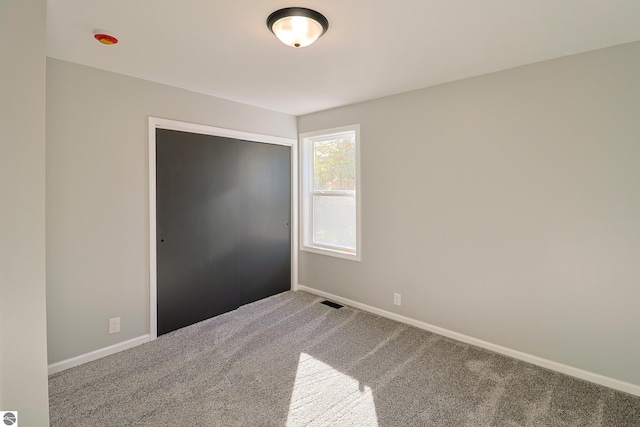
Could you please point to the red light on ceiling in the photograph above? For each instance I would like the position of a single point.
(105, 38)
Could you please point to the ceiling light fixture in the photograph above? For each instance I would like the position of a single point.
(297, 26)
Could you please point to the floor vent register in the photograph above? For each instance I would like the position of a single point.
(331, 304)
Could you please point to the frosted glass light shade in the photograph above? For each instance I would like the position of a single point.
(297, 26)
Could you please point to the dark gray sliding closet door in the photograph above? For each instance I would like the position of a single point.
(223, 214)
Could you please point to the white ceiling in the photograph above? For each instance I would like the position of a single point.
(373, 47)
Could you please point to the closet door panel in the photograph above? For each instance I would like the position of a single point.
(264, 265)
(197, 201)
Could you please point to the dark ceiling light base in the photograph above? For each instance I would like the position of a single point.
(297, 26)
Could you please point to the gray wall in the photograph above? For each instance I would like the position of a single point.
(505, 207)
(23, 363)
(97, 197)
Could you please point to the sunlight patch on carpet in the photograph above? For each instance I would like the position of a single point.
(323, 395)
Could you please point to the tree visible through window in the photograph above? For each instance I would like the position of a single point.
(335, 164)
(330, 171)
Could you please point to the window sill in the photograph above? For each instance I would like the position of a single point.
(331, 252)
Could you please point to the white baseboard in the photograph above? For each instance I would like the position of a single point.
(97, 354)
(545, 363)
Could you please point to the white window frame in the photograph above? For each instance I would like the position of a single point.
(306, 195)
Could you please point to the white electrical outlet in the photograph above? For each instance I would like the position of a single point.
(114, 325)
(397, 299)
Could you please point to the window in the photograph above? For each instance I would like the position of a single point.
(330, 192)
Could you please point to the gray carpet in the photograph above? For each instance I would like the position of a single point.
(289, 360)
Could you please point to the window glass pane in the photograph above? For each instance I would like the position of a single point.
(334, 163)
(334, 220)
